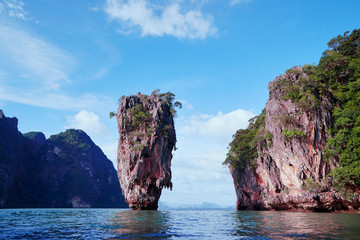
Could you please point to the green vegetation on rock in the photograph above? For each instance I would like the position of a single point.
(306, 92)
(73, 137)
(310, 184)
(336, 77)
(290, 133)
(242, 150)
(168, 99)
(31, 135)
(139, 115)
(142, 116)
(339, 69)
(287, 121)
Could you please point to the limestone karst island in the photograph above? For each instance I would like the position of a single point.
(301, 153)
(180, 119)
(147, 139)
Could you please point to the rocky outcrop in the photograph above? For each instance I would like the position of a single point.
(290, 170)
(67, 170)
(147, 138)
(76, 171)
(11, 144)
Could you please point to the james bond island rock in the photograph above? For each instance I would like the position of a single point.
(67, 170)
(303, 151)
(147, 139)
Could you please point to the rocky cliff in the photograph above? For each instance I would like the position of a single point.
(294, 156)
(66, 170)
(11, 145)
(147, 138)
(291, 157)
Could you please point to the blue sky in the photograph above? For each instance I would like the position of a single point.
(64, 64)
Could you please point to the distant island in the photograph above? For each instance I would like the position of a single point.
(303, 151)
(65, 171)
(203, 206)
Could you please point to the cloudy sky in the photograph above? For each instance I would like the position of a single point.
(64, 64)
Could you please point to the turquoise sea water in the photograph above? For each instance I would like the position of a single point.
(174, 224)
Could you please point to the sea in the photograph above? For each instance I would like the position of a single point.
(175, 224)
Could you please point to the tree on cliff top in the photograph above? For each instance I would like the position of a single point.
(167, 97)
(339, 68)
(338, 75)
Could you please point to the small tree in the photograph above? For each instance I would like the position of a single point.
(112, 114)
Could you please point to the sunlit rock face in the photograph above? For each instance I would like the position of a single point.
(289, 172)
(146, 140)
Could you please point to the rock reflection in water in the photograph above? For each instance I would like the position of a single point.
(296, 225)
(140, 224)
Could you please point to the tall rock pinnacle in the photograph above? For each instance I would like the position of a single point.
(147, 138)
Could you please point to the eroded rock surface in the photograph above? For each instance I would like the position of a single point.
(290, 169)
(147, 138)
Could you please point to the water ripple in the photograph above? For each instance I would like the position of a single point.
(174, 224)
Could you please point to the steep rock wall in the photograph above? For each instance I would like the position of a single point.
(147, 138)
(67, 170)
(77, 173)
(11, 144)
(290, 170)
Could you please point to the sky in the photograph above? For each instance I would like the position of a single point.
(64, 64)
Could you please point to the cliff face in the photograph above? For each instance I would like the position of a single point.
(76, 171)
(147, 138)
(290, 169)
(66, 170)
(10, 144)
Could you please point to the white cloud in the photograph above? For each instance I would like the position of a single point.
(186, 104)
(198, 174)
(202, 140)
(32, 71)
(55, 100)
(14, 8)
(87, 121)
(155, 20)
(101, 72)
(91, 123)
(35, 59)
(234, 2)
(219, 127)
